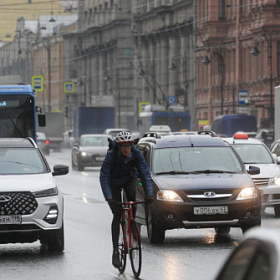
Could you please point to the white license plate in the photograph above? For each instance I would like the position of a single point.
(100, 158)
(210, 210)
(13, 219)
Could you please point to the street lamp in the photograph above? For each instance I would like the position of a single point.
(173, 66)
(255, 52)
(221, 67)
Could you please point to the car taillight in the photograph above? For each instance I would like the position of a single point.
(47, 142)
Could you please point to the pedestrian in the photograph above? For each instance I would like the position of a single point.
(120, 170)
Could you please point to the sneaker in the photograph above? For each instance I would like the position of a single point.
(116, 259)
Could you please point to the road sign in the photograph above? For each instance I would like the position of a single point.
(38, 83)
(242, 110)
(69, 87)
(243, 97)
(172, 100)
(142, 105)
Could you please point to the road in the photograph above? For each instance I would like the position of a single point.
(186, 254)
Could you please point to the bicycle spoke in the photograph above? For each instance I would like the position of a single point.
(135, 251)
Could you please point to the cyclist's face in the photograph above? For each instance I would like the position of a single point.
(125, 149)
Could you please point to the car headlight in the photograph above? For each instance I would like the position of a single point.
(169, 196)
(47, 192)
(247, 193)
(84, 154)
(275, 180)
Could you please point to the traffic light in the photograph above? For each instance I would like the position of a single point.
(66, 111)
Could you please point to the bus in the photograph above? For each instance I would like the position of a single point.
(18, 112)
(175, 120)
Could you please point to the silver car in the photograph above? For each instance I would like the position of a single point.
(255, 152)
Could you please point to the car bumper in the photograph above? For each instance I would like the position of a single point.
(171, 215)
(93, 160)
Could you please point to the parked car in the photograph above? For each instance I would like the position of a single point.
(199, 181)
(266, 135)
(257, 257)
(31, 203)
(89, 151)
(114, 131)
(254, 151)
(43, 143)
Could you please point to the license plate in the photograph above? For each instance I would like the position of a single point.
(210, 210)
(100, 158)
(13, 219)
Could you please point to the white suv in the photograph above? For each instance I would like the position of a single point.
(31, 205)
(255, 152)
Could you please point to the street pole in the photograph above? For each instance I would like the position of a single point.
(270, 74)
(49, 77)
(119, 98)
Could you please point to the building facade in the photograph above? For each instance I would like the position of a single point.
(237, 54)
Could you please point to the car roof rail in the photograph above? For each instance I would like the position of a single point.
(207, 132)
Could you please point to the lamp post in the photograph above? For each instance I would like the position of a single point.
(184, 73)
(255, 52)
(221, 68)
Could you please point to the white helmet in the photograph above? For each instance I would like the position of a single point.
(124, 137)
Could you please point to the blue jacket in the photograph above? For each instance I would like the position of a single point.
(115, 173)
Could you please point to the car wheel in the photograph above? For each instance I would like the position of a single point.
(277, 210)
(222, 229)
(156, 234)
(56, 243)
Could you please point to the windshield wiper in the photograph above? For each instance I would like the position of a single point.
(209, 171)
(172, 172)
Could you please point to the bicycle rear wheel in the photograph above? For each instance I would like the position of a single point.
(122, 249)
(135, 252)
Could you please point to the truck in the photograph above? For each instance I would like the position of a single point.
(92, 120)
(54, 129)
(227, 125)
(158, 115)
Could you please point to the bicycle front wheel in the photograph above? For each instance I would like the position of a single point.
(122, 248)
(135, 252)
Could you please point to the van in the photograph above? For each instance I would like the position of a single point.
(228, 125)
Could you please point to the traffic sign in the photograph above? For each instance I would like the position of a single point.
(142, 105)
(242, 110)
(69, 87)
(172, 100)
(38, 83)
(243, 97)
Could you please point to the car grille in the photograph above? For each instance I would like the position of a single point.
(17, 203)
(261, 182)
(221, 195)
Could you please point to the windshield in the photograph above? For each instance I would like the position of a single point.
(16, 116)
(21, 161)
(189, 159)
(253, 153)
(94, 141)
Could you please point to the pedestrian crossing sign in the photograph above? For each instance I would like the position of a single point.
(69, 87)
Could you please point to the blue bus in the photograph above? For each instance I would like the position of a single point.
(18, 112)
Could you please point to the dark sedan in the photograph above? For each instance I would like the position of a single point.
(89, 151)
(199, 182)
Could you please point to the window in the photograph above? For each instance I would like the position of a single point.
(222, 11)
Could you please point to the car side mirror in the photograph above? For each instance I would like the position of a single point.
(254, 170)
(42, 120)
(60, 170)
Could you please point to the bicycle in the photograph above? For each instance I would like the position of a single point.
(129, 239)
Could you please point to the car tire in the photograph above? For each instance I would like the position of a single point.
(56, 243)
(222, 229)
(277, 210)
(156, 234)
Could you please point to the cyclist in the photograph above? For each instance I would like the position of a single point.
(120, 170)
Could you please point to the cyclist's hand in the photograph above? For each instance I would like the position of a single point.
(149, 199)
(113, 205)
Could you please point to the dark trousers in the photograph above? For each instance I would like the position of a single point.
(130, 192)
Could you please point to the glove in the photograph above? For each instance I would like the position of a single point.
(149, 199)
(113, 205)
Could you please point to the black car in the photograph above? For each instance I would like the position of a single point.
(199, 181)
(89, 151)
